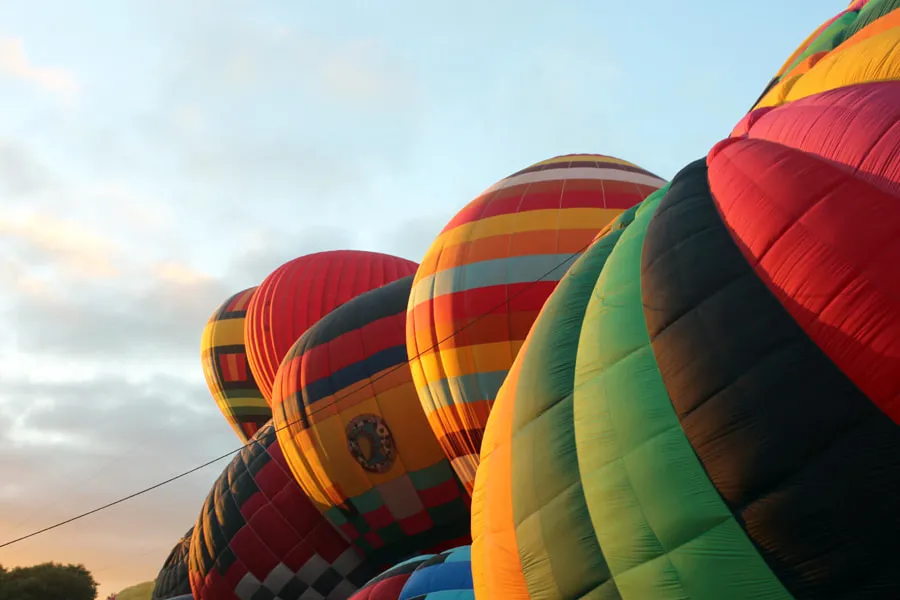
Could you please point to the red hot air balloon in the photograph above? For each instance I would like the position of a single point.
(302, 291)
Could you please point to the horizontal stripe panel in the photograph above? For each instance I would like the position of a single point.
(515, 269)
(605, 173)
(473, 387)
(554, 219)
(349, 348)
(353, 374)
(552, 194)
(583, 161)
(452, 309)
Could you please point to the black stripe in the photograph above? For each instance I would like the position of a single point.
(807, 463)
(349, 377)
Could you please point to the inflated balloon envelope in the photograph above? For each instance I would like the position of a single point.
(173, 581)
(227, 370)
(259, 536)
(300, 292)
(355, 435)
(487, 275)
(707, 406)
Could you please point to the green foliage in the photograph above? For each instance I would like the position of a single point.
(141, 591)
(47, 581)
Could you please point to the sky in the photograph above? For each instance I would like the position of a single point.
(158, 155)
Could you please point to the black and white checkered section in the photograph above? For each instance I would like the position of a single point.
(329, 580)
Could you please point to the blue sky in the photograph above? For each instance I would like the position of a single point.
(156, 156)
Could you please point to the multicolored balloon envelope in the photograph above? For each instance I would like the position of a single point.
(836, 31)
(486, 276)
(302, 291)
(443, 576)
(356, 438)
(259, 536)
(706, 407)
(389, 585)
(225, 367)
(173, 581)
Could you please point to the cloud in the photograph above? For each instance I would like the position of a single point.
(20, 172)
(72, 446)
(14, 62)
(46, 241)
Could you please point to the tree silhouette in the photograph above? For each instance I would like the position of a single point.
(47, 581)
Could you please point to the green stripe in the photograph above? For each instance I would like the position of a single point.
(827, 40)
(871, 12)
(663, 528)
(553, 527)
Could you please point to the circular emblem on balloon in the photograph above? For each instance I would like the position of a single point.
(370, 442)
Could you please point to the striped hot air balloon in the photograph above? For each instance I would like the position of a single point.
(353, 431)
(486, 276)
(227, 372)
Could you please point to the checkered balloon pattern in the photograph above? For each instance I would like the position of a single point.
(258, 536)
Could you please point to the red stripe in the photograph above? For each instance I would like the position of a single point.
(352, 347)
(495, 299)
(827, 243)
(554, 194)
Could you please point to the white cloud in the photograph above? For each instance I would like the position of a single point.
(48, 241)
(14, 62)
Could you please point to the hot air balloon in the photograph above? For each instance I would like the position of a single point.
(712, 389)
(445, 576)
(173, 582)
(225, 367)
(389, 585)
(302, 291)
(259, 536)
(356, 438)
(874, 16)
(486, 276)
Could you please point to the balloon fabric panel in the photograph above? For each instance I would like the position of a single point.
(227, 372)
(806, 500)
(445, 576)
(484, 280)
(566, 561)
(390, 489)
(835, 228)
(259, 534)
(389, 585)
(663, 527)
(173, 581)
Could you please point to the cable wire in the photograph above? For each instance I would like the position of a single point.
(419, 354)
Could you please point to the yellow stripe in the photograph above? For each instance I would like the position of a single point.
(229, 332)
(552, 219)
(465, 360)
(874, 59)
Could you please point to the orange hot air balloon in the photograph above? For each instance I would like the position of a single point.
(302, 291)
(487, 275)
